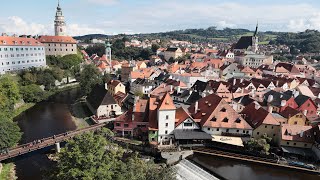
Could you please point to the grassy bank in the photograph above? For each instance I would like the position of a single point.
(7, 172)
(79, 112)
(21, 109)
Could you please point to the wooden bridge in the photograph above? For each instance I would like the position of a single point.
(46, 142)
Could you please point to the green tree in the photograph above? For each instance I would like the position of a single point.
(155, 47)
(89, 77)
(9, 88)
(9, 133)
(32, 93)
(46, 78)
(29, 78)
(93, 157)
(57, 73)
(68, 61)
(261, 145)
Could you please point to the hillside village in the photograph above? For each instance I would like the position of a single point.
(221, 97)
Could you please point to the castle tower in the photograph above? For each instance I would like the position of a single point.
(108, 54)
(59, 22)
(255, 40)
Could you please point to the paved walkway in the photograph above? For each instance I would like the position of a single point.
(186, 170)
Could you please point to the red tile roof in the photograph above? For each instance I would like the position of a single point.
(166, 103)
(297, 133)
(18, 41)
(57, 39)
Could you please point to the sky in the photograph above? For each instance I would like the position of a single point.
(111, 17)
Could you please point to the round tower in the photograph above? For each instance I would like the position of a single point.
(59, 22)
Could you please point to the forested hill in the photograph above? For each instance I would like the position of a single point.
(211, 34)
(307, 41)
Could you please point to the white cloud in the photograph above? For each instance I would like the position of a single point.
(17, 25)
(224, 24)
(301, 24)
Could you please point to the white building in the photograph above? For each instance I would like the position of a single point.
(188, 78)
(166, 119)
(17, 53)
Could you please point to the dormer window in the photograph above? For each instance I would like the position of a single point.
(214, 119)
(4, 42)
(223, 110)
(225, 120)
(238, 120)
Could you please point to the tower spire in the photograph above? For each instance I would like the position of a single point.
(256, 32)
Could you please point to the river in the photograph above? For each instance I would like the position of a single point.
(54, 117)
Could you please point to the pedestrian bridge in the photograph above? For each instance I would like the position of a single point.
(46, 142)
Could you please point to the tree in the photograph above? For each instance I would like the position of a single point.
(93, 157)
(68, 61)
(106, 77)
(98, 49)
(29, 78)
(9, 88)
(32, 93)
(155, 47)
(9, 133)
(57, 73)
(261, 145)
(89, 77)
(139, 94)
(46, 79)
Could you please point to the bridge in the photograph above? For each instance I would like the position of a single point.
(46, 142)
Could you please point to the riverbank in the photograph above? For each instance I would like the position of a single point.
(22, 109)
(80, 114)
(8, 172)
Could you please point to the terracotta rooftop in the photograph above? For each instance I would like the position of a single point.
(18, 41)
(57, 39)
(297, 133)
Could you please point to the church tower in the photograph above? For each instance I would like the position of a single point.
(255, 40)
(108, 55)
(59, 23)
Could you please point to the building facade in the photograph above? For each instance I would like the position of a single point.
(18, 53)
(59, 45)
(59, 23)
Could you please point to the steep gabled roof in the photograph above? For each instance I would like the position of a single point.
(181, 116)
(199, 86)
(100, 96)
(255, 115)
(301, 99)
(166, 103)
(289, 112)
(244, 42)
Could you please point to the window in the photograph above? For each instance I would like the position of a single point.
(208, 129)
(305, 145)
(258, 133)
(167, 117)
(265, 126)
(288, 143)
(217, 129)
(187, 124)
(295, 122)
(294, 144)
(166, 132)
(118, 124)
(227, 130)
(166, 124)
(237, 130)
(225, 120)
(214, 119)
(223, 110)
(126, 125)
(238, 120)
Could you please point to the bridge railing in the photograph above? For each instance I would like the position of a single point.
(45, 142)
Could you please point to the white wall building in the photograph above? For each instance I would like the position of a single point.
(17, 53)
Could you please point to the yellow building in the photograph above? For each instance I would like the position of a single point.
(172, 53)
(294, 117)
(115, 86)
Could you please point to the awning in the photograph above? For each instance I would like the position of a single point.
(236, 141)
(183, 134)
(298, 151)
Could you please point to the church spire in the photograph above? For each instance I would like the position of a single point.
(256, 32)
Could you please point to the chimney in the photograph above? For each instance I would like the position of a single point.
(301, 133)
(171, 88)
(196, 107)
(277, 83)
(106, 86)
(305, 112)
(190, 92)
(270, 98)
(296, 94)
(234, 81)
(241, 80)
(283, 103)
(270, 109)
(256, 106)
